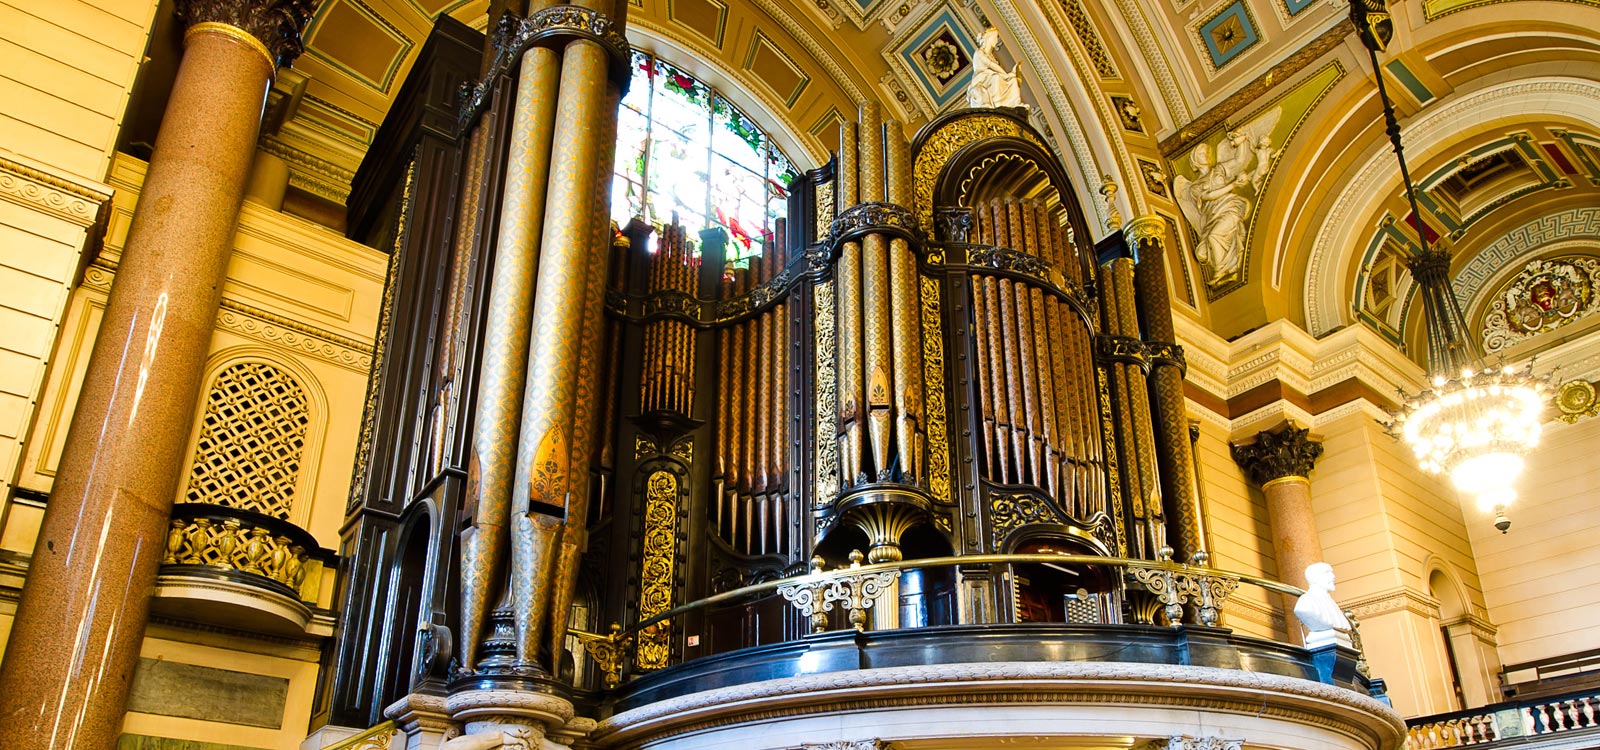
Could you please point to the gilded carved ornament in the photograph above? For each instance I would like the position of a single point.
(1287, 452)
(274, 26)
(1575, 399)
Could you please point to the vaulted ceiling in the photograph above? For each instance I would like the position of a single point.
(1500, 101)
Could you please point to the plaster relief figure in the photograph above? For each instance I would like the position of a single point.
(992, 85)
(1213, 202)
(1321, 616)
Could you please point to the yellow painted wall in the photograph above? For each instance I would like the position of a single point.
(1384, 525)
(1239, 533)
(66, 68)
(297, 664)
(1542, 580)
(297, 295)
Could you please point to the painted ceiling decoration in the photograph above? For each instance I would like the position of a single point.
(1222, 117)
(1547, 294)
(1228, 33)
(935, 56)
(1219, 182)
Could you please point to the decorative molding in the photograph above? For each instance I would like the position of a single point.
(256, 323)
(1481, 268)
(1155, 55)
(1275, 697)
(1334, 249)
(1283, 352)
(69, 200)
(1066, 113)
(1186, 742)
(1254, 91)
(872, 744)
(314, 175)
(1394, 600)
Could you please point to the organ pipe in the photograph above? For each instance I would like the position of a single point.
(1039, 423)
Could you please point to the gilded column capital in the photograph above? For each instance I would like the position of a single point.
(1278, 454)
(1149, 227)
(271, 27)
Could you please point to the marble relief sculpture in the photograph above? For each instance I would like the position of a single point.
(1212, 201)
(992, 85)
(1318, 613)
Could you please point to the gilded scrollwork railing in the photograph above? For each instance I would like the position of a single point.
(1175, 585)
(853, 590)
(1178, 588)
(219, 538)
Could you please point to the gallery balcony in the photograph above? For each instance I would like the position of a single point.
(241, 570)
(1141, 636)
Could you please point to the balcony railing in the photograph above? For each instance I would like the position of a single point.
(240, 569)
(1158, 591)
(1524, 722)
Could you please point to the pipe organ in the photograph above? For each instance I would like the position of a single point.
(927, 358)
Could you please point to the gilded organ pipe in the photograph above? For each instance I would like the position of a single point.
(485, 544)
(1039, 424)
(667, 382)
(749, 510)
(904, 308)
(847, 286)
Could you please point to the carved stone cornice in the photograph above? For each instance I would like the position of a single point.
(276, 24)
(253, 322)
(314, 175)
(1276, 454)
(872, 744)
(38, 190)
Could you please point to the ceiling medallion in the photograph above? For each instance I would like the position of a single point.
(1475, 424)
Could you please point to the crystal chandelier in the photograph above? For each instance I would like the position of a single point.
(1474, 423)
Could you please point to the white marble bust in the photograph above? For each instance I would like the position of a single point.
(1321, 616)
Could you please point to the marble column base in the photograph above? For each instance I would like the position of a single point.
(425, 720)
(521, 719)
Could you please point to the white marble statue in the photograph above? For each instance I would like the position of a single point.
(1212, 202)
(992, 85)
(1318, 613)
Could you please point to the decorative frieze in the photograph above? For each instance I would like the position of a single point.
(64, 199)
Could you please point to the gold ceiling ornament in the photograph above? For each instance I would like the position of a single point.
(1575, 399)
(1474, 423)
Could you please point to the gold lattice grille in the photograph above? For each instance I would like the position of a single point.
(251, 439)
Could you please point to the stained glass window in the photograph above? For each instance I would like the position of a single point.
(684, 151)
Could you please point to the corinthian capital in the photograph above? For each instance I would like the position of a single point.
(1286, 452)
(276, 24)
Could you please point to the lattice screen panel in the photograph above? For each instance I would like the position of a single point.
(252, 437)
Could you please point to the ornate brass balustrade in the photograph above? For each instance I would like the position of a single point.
(240, 569)
(1181, 592)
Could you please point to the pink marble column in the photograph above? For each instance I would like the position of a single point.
(80, 624)
(1279, 461)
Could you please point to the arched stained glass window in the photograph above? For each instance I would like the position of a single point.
(683, 150)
